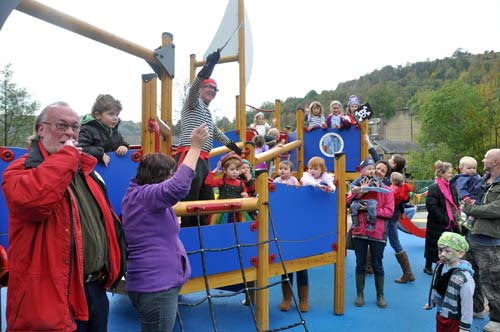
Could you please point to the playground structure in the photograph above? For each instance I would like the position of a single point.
(302, 251)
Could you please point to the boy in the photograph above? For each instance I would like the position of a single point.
(468, 184)
(368, 199)
(452, 285)
(99, 133)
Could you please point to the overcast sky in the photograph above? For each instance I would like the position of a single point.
(298, 45)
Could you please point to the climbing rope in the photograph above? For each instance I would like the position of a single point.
(247, 288)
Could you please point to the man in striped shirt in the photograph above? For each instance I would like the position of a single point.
(194, 113)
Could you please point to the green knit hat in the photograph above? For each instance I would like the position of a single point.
(454, 241)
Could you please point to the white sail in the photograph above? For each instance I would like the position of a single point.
(227, 26)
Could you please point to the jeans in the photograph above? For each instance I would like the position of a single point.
(98, 304)
(302, 278)
(157, 310)
(392, 234)
(410, 210)
(377, 253)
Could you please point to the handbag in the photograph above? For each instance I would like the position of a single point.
(348, 240)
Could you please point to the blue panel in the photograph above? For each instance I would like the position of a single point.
(117, 177)
(352, 147)
(219, 236)
(4, 224)
(305, 220)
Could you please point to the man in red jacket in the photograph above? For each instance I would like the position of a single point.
(63, 242)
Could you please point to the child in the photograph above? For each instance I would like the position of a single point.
(285, 174)
(274, 135)
(315, 117)
(468, 184)
(230, 186)
(260, 146)
(260, 124)
(248, 177)
(317, 176)
(352, 105)
(99, 132)
(452, 285)
(401, 190)
(366, 200)
(337, 119)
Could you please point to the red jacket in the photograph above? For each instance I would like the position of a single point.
(401, 193)
(45, 290)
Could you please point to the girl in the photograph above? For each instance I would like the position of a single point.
(336, 118)
(352, 105)
(442, 207)
(317, 176)
(260, 124)
(315, 116)
(230, 186)
(285, 174)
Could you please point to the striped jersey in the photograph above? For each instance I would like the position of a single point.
(194, 113)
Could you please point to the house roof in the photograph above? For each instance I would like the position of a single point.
(393, 147)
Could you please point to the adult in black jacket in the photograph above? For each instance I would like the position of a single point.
(442, 206)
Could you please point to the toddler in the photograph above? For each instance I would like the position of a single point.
(285, 174)
(317, 176)
(230, 186)
(260, 124)
(401, 190)
(468, 184)
(99, 133)
(260, 146)
(452, 286)
(365, 200)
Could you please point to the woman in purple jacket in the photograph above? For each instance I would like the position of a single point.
(157, 262)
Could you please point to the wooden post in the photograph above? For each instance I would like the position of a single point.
(242, 65)
(166, 100)
(300, 149)
(364, 146)
(339, 277)
(262, 309)
(65, 21)
(148, 110)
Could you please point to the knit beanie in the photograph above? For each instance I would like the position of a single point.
(454, 241)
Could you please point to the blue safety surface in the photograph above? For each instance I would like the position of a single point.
(404, 313)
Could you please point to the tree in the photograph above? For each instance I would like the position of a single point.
(17, 111)
(453, 116)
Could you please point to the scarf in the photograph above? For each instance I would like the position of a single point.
(444, 187)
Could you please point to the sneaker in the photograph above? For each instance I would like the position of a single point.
(481, 315)
(492, 327)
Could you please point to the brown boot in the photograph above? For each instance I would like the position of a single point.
(287, 296)
(379, 286)
(369, 267)
(360, 286)
(304, 298)
(403, 261)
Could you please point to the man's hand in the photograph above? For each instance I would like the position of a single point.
(231, 145)
(199, 136)
(208, 68)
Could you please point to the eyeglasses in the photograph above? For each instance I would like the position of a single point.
(213, 87)
(64, 126)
